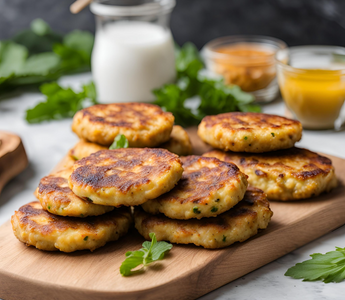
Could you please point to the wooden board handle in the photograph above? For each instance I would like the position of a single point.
(13, 159)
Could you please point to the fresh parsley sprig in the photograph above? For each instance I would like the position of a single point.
(119, 142)
(215, 96)
(329, 267)
(60, 102)
(39, 54)
(151, 251)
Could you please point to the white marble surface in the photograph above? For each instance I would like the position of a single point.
(47, 143)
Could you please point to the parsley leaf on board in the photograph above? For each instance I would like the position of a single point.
(120, 141)
(215, 96)
(60, 102)
(151, 251)
(329, 267)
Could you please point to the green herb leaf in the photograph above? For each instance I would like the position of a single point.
(60, 102)
(38, 55)
(40, 27)
(329, 267)
(119, 142)
(215, 96)
(151, 251)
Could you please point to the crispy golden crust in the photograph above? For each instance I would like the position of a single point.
(179, 142)
(236, 225)
(35, 227)
(56, 197)
(143, 124)
(208, 187)
(290, 174)
(249, 132)
(125, 176)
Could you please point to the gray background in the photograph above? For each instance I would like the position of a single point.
(294, 21)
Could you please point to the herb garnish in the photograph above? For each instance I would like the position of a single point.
(215, 96)
(38, 54)
(60, 102)
(329, 267)
(151, 251)
(196, 210)
(119, 142)
(214, 209)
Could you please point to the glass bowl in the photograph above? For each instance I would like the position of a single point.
(312, 83)
(246, 61)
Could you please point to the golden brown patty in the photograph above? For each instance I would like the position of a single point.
(128, 176)
(208, 187)
(143, 124)
(236, 225)
(56, 197)
(84, 148)
(34, 226)
(249, 132)
(179, 143)
(290, 174)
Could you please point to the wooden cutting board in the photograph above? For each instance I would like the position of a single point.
(187, 272)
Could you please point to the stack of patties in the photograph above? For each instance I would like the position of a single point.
(79, 205)
(262, 146)
(144, 125)
(209, 207)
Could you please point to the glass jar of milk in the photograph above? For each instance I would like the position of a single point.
(134, 50)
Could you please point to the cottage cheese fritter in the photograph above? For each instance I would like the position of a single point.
(179, 143)
(236, 225)
(208, 187)
(84, 148)
(289, 174)
(249, 132)
(56, 197)
(36, 227)
(127, 176)
(143, 124)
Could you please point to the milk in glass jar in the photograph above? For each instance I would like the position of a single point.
(134, 50)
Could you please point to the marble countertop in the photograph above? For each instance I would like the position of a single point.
(47, 143)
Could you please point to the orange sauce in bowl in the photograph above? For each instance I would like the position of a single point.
(250, 66)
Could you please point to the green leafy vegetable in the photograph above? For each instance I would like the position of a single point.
(151, 251)
(60, 102)
(215, 96)
(38, 55)
(119, 142)
(329, 267)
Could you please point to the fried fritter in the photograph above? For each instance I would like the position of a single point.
(36, 227)
(84, 148)
(236, 225)
(127, 176)
(289, 174)
(143, 124)
(208, 187)
(56, 197)
(249, 132)
(179, 142)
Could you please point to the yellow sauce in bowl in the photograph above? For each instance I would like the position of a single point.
(314, 96)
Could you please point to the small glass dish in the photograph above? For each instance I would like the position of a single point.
(312, 83)
(246, 61)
